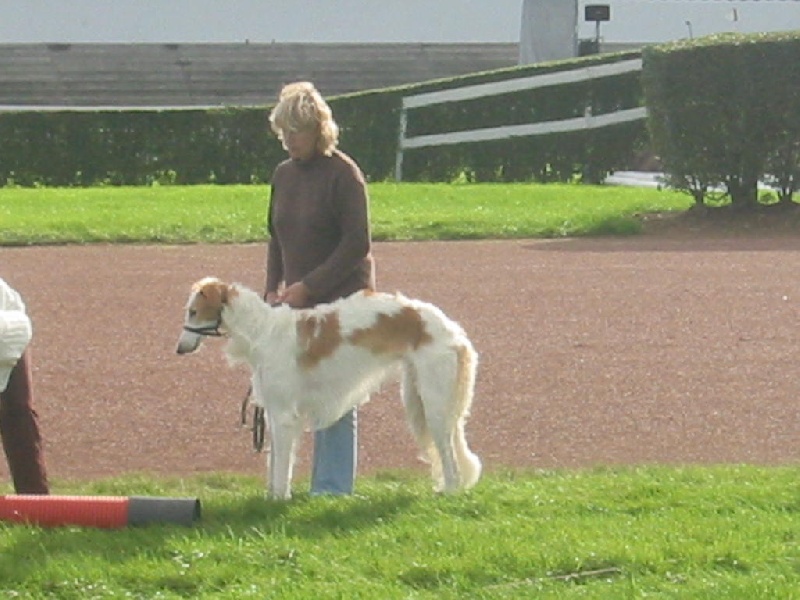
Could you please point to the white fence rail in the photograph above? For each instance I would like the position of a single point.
(588, 121)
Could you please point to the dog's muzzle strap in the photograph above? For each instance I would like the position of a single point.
(211, 330)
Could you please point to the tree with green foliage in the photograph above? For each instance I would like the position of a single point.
(723, 112)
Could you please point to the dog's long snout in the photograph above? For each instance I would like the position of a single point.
(188, 342)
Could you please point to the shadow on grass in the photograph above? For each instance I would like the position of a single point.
(304, 517)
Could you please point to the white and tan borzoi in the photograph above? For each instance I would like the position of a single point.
(309, 367)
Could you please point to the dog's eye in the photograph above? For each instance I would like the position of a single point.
(192, 312)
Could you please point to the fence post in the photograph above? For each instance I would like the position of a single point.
(398, 161)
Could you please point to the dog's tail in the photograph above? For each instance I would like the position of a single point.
(469, 465)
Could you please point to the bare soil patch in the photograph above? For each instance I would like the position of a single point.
(764, 220)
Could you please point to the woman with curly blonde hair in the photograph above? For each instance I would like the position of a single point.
(301, 106)
(319, 248)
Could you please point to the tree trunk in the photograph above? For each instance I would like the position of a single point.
(743, 192)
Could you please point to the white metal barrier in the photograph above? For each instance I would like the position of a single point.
(588, 121)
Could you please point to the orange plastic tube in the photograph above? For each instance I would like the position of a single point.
(53, 511)
(97, 511)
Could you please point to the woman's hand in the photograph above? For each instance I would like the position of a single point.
(296, 295)
(272, 298)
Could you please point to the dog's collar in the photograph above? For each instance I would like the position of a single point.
(210, 330)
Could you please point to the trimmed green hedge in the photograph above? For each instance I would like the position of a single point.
(235, 145)
(135, 148)
(724, 112)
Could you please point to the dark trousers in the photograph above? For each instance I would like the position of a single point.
(19, 430)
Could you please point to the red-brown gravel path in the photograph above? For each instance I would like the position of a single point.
(657, 348)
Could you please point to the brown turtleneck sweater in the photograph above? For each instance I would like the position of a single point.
(319, 227)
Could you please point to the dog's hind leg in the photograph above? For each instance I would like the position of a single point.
(436, 382)
(446, 382)
(443, 440)
(415, 414)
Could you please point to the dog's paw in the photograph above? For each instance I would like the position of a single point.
(279, 497)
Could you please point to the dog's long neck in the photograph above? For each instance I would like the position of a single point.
(248, 319)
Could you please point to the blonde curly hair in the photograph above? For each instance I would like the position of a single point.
(301, 107)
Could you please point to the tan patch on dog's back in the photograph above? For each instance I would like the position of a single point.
(393, 334)
(318, 338)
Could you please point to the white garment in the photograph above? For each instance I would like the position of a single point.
(15, 330)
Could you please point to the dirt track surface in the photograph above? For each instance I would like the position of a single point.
(658, 348)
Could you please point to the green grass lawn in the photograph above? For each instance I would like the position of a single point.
(648, 532)
(655, 532)
(220, 214)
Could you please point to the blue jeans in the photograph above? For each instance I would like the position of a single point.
(333, 469)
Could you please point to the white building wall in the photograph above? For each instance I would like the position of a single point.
(548, 30)
(209, 21)
(649, 21)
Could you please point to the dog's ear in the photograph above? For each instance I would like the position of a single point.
(215, 292)
(223, 293)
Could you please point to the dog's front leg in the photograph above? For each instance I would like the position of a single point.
(285, 433)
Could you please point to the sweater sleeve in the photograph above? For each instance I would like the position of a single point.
(351, 209)
(274, 256)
